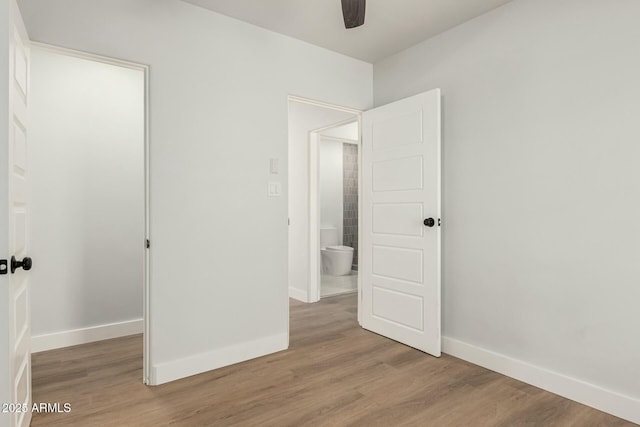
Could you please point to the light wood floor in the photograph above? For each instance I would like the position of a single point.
(334, 374)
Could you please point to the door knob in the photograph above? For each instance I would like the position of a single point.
(429, 222)
(25, 264)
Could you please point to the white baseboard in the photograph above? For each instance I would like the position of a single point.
(580, 391)
(298, 295)
(169, 371)
(85, 335)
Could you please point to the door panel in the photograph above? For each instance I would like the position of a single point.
(397, 174)
(398, 218)
(398, 263)
(398, 131)
(16, 195)
(21, 66)
(401, 188)
(385, 306)
(19, 148)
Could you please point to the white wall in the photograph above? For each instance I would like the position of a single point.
(303, 118)
(87, 174)
(331, 189)
(218, 90)
(541, 183)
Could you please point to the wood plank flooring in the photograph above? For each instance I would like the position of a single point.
(334, 374)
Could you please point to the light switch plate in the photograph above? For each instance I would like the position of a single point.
(274, 166)
(274, 189)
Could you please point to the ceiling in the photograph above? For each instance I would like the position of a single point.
(390, 25)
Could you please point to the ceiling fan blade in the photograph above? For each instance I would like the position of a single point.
(353, 12)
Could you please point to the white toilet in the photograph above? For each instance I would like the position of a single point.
(336, 259)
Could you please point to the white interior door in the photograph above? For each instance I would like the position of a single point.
(400, 230)
(14, 194)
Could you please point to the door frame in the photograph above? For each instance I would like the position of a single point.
(314, 238)
(146, 312)
(315, 139)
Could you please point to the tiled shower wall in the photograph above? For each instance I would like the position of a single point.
(350, 199)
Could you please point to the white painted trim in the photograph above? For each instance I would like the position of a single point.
(146, 312)
(336, 139)
(323, 104)
(314, 218)
(609, 401)
(203, 362)
(89, 56)
(85, 335)
(146, 304)
(361, 148)
(298, 295)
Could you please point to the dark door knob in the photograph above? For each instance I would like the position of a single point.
(25, 264)
(429, 222)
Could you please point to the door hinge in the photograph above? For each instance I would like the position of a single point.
(439, 222)
(148, 243)
(3, 267)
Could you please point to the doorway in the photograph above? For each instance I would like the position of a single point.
(323, 199)
(88, 148)
(399, 256)
(337, 192)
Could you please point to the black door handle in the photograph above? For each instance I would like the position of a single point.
(429, 222)
(25, 264)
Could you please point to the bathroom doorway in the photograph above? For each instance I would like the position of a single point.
(324, 178)
(337, 190)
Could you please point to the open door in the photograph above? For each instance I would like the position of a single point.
(400, 266)
(15, 335)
